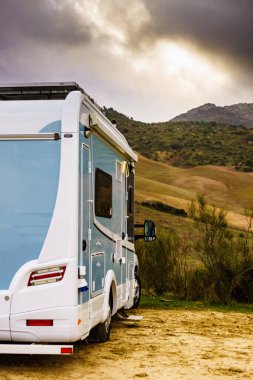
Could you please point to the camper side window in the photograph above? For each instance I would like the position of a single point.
(103, 194)
(130, 210)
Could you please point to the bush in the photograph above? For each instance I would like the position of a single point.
(164, 267)
(157, 261)
(227, 260)
(160, 206)
(213, 263)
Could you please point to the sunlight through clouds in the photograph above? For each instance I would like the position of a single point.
(190, 67)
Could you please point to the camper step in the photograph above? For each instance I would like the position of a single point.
(122, 314)
(36, 349)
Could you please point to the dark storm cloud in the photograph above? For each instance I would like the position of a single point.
(41, 20)
(219, 27)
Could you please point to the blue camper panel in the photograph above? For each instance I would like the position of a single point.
(112, 196)
(98, 271)
(29, 175)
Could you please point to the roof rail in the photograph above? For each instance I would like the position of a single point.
(40, 91)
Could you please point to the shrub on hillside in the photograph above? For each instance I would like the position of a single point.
(213, 263)
(227, 260)
(160, 206)
(242, 286)
(164, 267)
(157, 262)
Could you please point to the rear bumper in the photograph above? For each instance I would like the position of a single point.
(68, 325)
(36, 349)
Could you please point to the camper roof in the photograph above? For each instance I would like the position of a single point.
(40, 91)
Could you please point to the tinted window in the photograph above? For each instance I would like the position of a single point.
(103, 194)
(130, 206)
(130, 200)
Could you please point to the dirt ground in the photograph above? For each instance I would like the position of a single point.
(166, 344)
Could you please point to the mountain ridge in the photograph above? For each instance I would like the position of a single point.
(235, 114)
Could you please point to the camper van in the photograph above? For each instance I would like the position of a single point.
(67, 229)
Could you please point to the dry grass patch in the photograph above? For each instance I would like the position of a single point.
(224, 187)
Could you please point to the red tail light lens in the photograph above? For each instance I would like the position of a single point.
(66, 350)
(39, 322)
(46, 275)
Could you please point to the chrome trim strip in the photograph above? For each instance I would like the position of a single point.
(38, 136)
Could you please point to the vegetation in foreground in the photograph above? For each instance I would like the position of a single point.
(169, 301)
(210, 262)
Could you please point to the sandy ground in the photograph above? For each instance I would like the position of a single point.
(166, 344)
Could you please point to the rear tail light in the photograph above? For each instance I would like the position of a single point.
(66, 350)
(46, 276)
(39, 322)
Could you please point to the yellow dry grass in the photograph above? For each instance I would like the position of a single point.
(224, 187)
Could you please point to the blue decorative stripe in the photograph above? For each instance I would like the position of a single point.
(54, 127)
(29, 173)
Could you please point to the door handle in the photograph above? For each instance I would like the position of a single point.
(84, 245)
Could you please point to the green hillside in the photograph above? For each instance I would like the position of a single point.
(179, 160)
(202, 252)
(188, 144)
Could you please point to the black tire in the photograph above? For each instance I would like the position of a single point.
(137, 295)
(104, 329)
(101, 332)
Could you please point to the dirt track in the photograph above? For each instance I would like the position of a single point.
(171, 344)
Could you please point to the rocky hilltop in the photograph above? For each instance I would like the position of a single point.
(237, 114)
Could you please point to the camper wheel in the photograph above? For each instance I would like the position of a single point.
(105, 327)
(137, 289)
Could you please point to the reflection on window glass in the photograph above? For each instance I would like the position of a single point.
(103, 194)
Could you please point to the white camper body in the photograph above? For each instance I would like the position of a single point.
(66, 220)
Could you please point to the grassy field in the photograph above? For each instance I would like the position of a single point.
(170, 302)
(224, 187)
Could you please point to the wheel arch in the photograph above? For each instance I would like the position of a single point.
(110, 294)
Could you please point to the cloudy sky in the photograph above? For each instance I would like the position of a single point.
(149, 59)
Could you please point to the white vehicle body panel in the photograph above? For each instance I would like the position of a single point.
(35, 349)
(106, 263)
